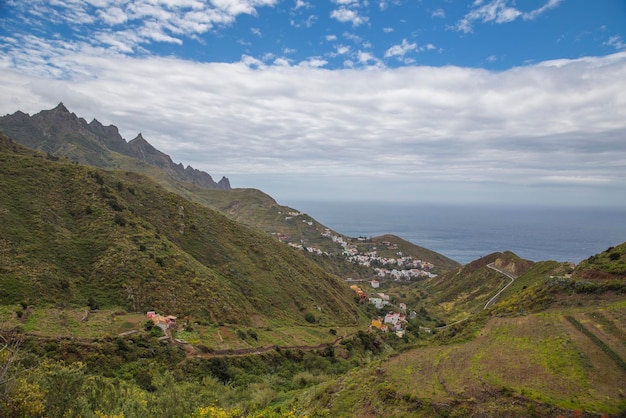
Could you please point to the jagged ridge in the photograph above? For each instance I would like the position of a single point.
(60, 132)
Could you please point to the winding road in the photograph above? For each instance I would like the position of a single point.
(493, 299)
(507, 274)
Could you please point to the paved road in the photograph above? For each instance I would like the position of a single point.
(493, 299)
(507, 274)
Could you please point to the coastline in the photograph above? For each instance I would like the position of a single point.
(468, 232)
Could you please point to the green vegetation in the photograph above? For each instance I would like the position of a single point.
(620, 362)
(612, 261)
(117, 239)
(268, 331)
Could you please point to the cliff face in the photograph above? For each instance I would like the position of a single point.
(60, 132)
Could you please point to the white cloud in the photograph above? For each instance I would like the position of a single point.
(551, 4)
(125, 25)
(342, 49)
(499, 11)
(401, 49)
(282, 62)
(314, 62)
(557, 122)
(302, 4)
(345, 15)
(346, 2)
(616, 42)
(388, 30)
(440, 13)
(113, 16)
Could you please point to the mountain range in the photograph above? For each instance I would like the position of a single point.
(59, 132)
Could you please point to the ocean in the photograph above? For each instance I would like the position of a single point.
(466, 233)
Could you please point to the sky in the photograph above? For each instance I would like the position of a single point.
(435, 101)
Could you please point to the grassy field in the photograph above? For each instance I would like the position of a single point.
(71, 322)
(82, 323)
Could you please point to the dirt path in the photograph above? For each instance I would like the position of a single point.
(196, 353)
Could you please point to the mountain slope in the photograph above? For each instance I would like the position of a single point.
(608, 265)
(59, 132)
(553, 345)
(466, 290)
(71, 233)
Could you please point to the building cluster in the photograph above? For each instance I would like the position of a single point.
(393, 321)
(400, 267)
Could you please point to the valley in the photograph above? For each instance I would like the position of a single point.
(127, 290)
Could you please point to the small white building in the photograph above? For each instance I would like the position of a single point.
(378, 302)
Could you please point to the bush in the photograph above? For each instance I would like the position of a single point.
(310, 318)
(119, 219)
(156, 332)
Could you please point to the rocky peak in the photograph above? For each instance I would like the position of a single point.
(60, 108)
(224, 183)
(109, 135)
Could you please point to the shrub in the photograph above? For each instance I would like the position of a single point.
(156, 332)
(98, 177)
(115, 205)
(310, 318)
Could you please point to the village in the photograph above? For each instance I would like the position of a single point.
(400, 267)
(393, 321)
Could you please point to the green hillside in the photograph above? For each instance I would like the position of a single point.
(72, 234)
(465, 290)
(552, 345)
(608, 265)
(60, 133)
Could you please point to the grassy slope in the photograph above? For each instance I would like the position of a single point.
(523, 357)
(465, 291)
(533, 365)
(71, 233)
(62, 133)
(608, 265)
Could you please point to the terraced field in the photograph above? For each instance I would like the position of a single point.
(541, 357)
